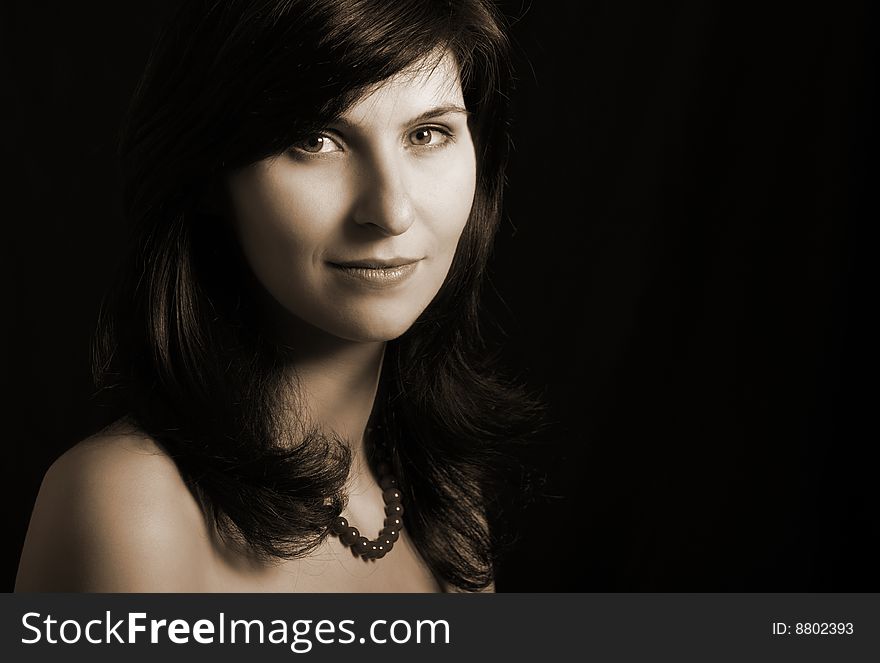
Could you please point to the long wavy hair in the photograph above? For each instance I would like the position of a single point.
(180, 346)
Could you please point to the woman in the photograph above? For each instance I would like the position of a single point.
(314, 186)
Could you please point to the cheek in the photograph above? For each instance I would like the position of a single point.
(279, 217)
(452, 196)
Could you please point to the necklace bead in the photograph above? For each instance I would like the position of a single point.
(391, 496)
(339, 525)
(391, 533)
(361, 546)
(349, 535)
(393, 521)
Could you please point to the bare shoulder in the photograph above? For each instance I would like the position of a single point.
(113, 514)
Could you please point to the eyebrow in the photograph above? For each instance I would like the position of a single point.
(431, 113)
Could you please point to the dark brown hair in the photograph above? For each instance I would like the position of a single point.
(180, 345)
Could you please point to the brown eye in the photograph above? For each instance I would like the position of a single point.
(421, 137)
(317, 143)
(430, 137)
(313, 143)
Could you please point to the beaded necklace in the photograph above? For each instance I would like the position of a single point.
(380, 546)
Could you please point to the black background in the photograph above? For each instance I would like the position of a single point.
(684, 268)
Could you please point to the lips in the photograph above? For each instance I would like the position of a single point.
(376, 263)
(374, 273)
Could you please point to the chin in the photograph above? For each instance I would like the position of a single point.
(370, 323)
(374, 330)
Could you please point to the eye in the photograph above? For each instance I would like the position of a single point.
(317, 144)
(429, 137)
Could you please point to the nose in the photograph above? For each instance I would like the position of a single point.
(385, 199)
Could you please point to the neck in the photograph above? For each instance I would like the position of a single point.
(338, 387)
(337, 381)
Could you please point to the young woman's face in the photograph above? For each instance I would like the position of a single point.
(389, 185)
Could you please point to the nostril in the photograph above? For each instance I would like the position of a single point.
(393, 214)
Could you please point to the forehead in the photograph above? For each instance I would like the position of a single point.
(432, 82)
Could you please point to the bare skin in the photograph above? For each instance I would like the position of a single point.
(114, 515)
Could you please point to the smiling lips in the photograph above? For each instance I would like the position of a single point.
(377, 273)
